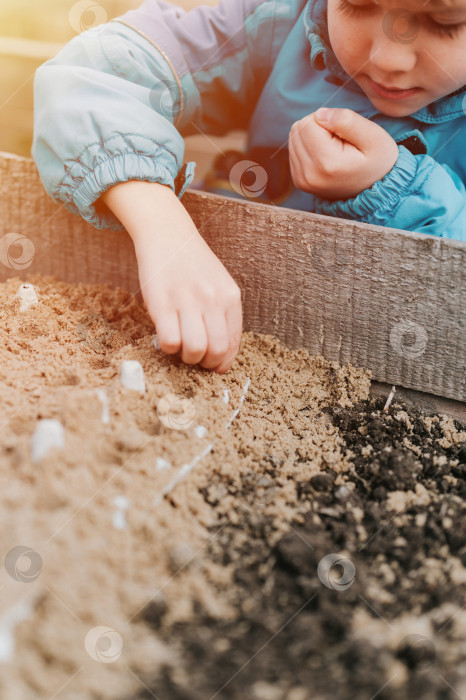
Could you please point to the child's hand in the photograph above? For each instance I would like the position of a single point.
(340, 157)
(192, 299)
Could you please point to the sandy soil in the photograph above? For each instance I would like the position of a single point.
(120, 520)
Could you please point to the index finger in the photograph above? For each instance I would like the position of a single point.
(234, 320)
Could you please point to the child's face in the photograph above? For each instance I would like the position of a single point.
(419, 49)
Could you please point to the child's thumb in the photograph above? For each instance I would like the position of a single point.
(347, 124)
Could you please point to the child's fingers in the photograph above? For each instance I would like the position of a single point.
(234, 322)
(167, 326)
(295, 164)
(193, 336)
(349, 126)
(217, 339)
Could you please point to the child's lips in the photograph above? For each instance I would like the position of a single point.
(392, 93)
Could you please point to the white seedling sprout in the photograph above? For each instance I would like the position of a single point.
(162, 464)
(103, 398)
(119, 517)
(49, 433)
(27, 295)
(132, 376)
(390, 398)
(22, 610)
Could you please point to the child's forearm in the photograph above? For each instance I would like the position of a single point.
(148, 207)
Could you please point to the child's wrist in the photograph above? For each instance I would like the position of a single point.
(146, 209)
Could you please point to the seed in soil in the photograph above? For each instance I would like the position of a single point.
(119, 516)
(27, 295)
(49, 433)
(132, 376)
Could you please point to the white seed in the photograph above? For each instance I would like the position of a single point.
(155, 342)
(226, 396)
(119, 517)
(200, 431)
(103, 398)
(162, 464)
(132, 376)
(27, 296)
(49, 433)
(22, 610)
(121, 502)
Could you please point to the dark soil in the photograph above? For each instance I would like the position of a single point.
(393, 626)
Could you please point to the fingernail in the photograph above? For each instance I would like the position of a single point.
(323, 114)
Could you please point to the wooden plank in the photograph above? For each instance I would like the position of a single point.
(388, 300)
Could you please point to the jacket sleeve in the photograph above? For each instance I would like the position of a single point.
(418, 194)
(113, 104)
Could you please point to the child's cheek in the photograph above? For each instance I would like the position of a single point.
(350, 54)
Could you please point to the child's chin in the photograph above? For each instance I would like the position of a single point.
(403, 108)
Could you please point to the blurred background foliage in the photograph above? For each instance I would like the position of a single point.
(32, 31)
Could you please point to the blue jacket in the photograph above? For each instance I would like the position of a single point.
(116, 101)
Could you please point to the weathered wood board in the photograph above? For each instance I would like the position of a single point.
(388, 300)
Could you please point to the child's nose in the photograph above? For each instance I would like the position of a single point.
(391, 56)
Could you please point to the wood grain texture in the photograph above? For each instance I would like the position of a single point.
(388, 300)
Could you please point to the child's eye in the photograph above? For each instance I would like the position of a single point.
(450, 29)
(353, 10)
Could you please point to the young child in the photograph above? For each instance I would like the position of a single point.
(355, 109)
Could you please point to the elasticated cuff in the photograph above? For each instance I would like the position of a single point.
(373, 204)
(118, 168)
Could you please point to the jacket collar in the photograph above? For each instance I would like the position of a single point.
(322, 57)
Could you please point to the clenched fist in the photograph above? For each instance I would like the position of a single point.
(337, 153)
